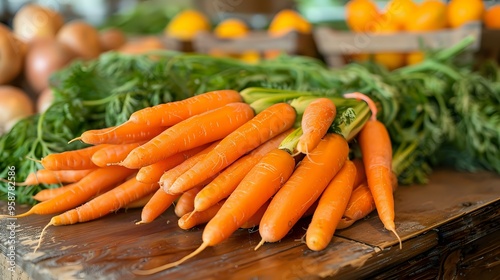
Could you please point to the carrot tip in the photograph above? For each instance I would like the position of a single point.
(190, 215)
(41, 236)
(74, 139)
(399, 239)
(33, 159)
(172, 264)
(259, 245)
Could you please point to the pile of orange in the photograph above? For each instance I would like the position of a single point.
(413, 16)
(188, 23)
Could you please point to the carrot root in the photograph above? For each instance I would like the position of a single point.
(202, 247)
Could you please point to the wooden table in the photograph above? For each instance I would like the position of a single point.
(450, 227)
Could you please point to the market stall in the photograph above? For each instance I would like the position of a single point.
(250, 141)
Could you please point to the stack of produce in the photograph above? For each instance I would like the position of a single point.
(409, 16)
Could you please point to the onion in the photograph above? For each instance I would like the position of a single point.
(15, 105)
(11, 55)
(34, 21)
(82, 38)
(44, 100)
(44, 57)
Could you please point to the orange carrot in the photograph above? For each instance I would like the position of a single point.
(47, 194)
(376, 149)
(72, 160)
(140, 202)
(122, 134)
(331, 207)
(270, 122)
(255, 189)
(105, 203)
(169, 114)
(291, 202)
(113, 154)
(185, 203)
(361, 204)
(255, 219)
(360, 172)
(98, 181)
(190, 133)
(190, 219)
(225, 183)
(152, 173)
(316, 120)
(157, 205)
(44, 176)
(170, 175)
(102, 205)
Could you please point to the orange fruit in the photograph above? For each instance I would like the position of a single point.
(430, 15)
(400, 10)
(186, 24)
(361, 15)
(385, 24)
(491, 17)
(460, 12)
(390, 60)
(231, 28)
(414, 57)
(250, 56)
(288, 20)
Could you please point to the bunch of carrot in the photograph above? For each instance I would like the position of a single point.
(230, 164)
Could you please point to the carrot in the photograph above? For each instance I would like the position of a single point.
(316, 120)
(113, 153)
(255, 219)
(270, 122)
(152, 173)
(360, 172)
(44, 176)
(105, 203)
(185, 203)
(169, 114)
(361, 204)
(102, 205)
(331, 207)
(190, 133)
(225, 183)
(376, 150)
(140, 202)
(159, 203)
(256, 188)
(96, 182)
(122, 134)
(293, 199)
(47, 194)
(192, 219)
(72, 160)
(170, 175)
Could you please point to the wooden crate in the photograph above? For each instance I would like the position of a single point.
(291, 43)
(335, 45)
